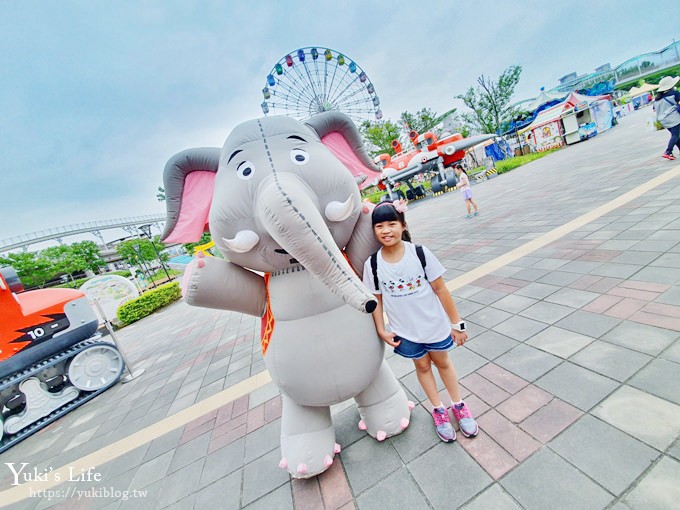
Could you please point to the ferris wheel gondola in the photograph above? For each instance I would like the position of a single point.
(312, 80)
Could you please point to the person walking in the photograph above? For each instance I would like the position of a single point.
(464, 187)
(423, 320)
(668, 112)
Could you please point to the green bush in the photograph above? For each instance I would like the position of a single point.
(149, 302)
(510, 164)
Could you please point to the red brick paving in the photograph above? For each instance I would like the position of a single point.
(604, 285)
(307, 494)
(651, 287)
(194, 432)
(643, 295)
(585, 282)
(514, 440)
(602, 303)
(625, 308)
(600, 255)
(659, 321)
(550, 420)
(502, 378)
(523, 404)
(334, 486)
(229, 437)
(489, 454)
(487, 391)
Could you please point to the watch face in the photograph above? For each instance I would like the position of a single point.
(462, 326)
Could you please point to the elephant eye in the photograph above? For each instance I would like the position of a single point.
(299, 157)
(245, 170)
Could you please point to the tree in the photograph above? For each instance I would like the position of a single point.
(422, 121)
(205, 239)
(33, 270)
(128, 250)
(379, 136)
(87, 253)
(160, 195)
(490, 101)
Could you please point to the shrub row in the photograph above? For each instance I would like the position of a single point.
(148, 303)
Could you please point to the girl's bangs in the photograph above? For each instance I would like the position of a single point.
(385, 212)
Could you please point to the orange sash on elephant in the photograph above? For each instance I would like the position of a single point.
(268, 321)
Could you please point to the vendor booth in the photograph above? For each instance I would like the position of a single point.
(545, 132)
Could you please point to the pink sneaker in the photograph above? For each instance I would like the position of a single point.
(445, 430)
(468, 425)
(668, 156)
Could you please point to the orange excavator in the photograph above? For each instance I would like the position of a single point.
(52, 359)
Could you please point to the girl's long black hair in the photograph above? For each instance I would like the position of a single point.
(385, 211)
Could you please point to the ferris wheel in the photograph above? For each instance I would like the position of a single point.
(312, 80)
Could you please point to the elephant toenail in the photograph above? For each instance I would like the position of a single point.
(362, 425)
(404, 423)
(411, 405)
(327, 461)
(336, 448)
(284, 463)
(302, 469)
(381, 435)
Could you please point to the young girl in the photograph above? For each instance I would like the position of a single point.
(407, 282)
(464, 186)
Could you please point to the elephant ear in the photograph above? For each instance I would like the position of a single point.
(341, 136)
(189, 181)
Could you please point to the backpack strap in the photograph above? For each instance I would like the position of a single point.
(421, 255)
(374, 268)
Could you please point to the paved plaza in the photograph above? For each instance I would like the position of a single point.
(572, 368)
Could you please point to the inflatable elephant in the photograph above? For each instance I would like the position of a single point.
(281, 198)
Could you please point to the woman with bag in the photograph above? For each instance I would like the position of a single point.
(668, 112)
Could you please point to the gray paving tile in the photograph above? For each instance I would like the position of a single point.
(641, 337)
(668, 259)
(467, 307)
(616, 362)
(578, 386)
(419, 437)
(558, 341)
(262, 395)
(596, 447)
(589, 324)
(572, 297)
(263, 440)
(369, 461)
(629, 409)
(671, 296)
(660, 378)
(514, 303)
(223, 494)
(548, 313)
(520, 328)
(616, 270)
(151, 471)
(279, 499)
(177, 485)
(346, 427)
(673, 352)
(537, 290)
(549, 264)
(527, 362)
(653, 274)
(561, 278)
(449, 458)
(466, 361)
(581, 266)
(636, 257)
(493, 498)
(189, 452)
(222, 462)
(488, 317)
(491, 344)
(659, 489)
(547, 481)
(487, 296)
(397, 491)
(261, 477)
(674, 450)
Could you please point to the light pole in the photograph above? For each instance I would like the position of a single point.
(146, 230)
(138, 250)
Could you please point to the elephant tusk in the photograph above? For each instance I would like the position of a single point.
(340, 211)
(244, 241)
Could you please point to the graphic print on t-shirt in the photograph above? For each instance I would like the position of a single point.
(404, 286)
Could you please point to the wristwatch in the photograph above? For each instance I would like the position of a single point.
(459, 326)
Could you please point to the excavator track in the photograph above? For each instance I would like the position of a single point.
(9, 440)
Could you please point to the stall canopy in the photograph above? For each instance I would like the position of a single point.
(549, 115)
(573, 99)
(647, 87)
(544, 97)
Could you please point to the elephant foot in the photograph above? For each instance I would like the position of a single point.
(386, 418)
(308, 454)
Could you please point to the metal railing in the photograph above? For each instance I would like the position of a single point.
(20, 241)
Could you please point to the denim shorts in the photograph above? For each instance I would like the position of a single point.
(414, 350)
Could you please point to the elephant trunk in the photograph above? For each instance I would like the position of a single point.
(286, 210)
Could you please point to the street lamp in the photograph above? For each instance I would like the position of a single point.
(146, 230)
(143, 267)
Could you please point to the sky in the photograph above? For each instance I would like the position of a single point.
(96, 96)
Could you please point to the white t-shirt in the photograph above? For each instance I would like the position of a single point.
(412, 307)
